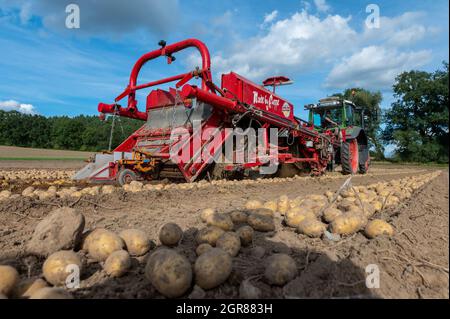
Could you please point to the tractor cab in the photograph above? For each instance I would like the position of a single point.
(335, 112)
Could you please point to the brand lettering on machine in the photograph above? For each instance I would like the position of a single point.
(264, 99)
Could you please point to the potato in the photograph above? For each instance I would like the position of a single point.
(118, 263)
(261, 222)
(136, 241)
(206, 213)
(238, 217)
(212, 268)
(51, 293)
(296, 215)
(262, 211)
(272, 205)
(253, 204)
(229, 242)
(347, 193)
(280, 269)
(202, 248)
(283, 204)
(311, 227)
(378, 227)
(101, 243)
(378, 205)
(170, 234)
(27, 287)
(9, 277)
(222, 221)
(347, 224)
(346, 204)
(169, 272)
(246, 235)
(331, 213)
(57, 267)
(209, 235)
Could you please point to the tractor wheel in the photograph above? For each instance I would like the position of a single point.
(126, 176)
(350, 157)
(364, 159)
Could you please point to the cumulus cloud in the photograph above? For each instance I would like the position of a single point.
(100, 17)
(269, 17)
(374, 67)
(11, 105)
(322, 5)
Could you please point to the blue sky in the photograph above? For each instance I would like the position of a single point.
(323, 45)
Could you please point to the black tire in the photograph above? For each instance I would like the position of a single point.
(350, 157)
(364, 159)
(126, 176)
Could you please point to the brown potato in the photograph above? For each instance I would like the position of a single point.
(9, 277)
(229, 242)
(170, 234)
(296, 215)
(272, 205)
(117, 264)
(209, 235)
(58, 266)
(331, 213)
(27, 287)
(51, 293)
(246, 235)
(311, 227)
(262, 211)
(169, 272)
(238, 217)
(280, 269)
(202, 248)
(348, 223)
(253, 204)
(261, 222)
(136, 241)
(206, 213)
(222, 221)
(283, 204)
(212, 268)
(378, 227)
(101, 243)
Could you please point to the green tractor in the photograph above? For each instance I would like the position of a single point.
(342, 119)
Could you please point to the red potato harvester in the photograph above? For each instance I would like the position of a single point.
(208, 118)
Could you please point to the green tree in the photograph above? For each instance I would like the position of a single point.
(417, 123)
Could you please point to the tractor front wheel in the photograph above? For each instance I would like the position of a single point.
(126, 176)
(350, 157)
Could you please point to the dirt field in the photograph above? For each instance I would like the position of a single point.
(413, 263)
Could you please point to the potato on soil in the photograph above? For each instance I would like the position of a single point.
(296, 215)
(169, 272)
(311, 227)
(238, 217)
(101, 243)
(331, 213)
(229, 242)
(55, 267)
(202, 248)
(272, 205)
(348, 223)
(212, 268)
(378, 227)
(262, 211)
(206, 213)
(222, 221)
(51, 293)
(27, 287)
(253, 204)
(245, 234)
(280, 269)
(170, 234)
(283, 204)
(261, 222)
(136, 241)
(378, 205)
(9, 277)
(209, 235)
(118, 263)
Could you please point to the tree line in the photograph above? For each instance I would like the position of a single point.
(80, 133)
(416, 125)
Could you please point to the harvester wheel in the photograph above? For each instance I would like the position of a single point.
(364, 159)
(350, 157)
(126, 176)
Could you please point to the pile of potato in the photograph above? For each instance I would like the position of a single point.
(36, 174)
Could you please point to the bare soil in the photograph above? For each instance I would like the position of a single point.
(413, 263)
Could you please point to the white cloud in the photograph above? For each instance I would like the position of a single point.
(269, 17)
(374, 67)
(322, 5)
(12, 105)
